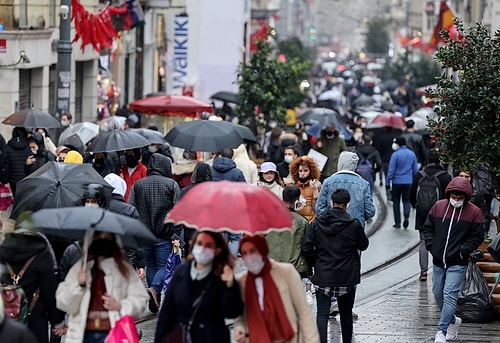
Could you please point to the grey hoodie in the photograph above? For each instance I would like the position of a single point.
(348, 161)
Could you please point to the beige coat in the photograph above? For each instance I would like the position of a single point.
(299, 313)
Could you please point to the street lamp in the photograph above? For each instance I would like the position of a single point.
(64, 59)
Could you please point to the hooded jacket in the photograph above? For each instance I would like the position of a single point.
(451, 234)
(42, 156)
(155, 195)
(17, 152)
(224, 168)
(331, 245)
(362, 207)
(245, 164)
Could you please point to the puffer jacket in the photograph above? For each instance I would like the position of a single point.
(17, 152)
(451, 234)
(224, 168)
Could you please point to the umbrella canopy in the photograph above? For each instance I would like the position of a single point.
(73, 222)
(245, 133)
(153, 137)
(32, 118)
(420, 123)
(112, 123)
(247, 209)
(323, 117)
(54, 185)
(388, 119)
(204, 135)
(389, 84)
(171, 105)
(117, 140)
(331, 94)
(73, 142)
(84, 130)
(363, 100)
(230, 97)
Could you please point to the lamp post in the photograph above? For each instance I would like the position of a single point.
(64, 58)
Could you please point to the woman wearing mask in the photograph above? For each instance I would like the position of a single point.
(132, 170)
(100, 290)
(305, 174)
(269, 178)
(202, 291)
(276, 309)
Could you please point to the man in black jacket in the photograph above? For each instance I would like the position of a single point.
(332, 244)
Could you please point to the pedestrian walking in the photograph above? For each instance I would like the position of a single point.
(415, 142)
(245, 164)
(270, 178)
(305, 174)
(453, 229)
(132, 170)
(330, 144)
(402, 167)
(369, 162)
(202, 293)
(331, 245)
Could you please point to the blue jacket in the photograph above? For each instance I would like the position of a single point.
(402, 167)
(224, 168)
(361, 206)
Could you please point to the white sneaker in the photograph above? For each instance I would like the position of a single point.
(452, 332)
(440, 337)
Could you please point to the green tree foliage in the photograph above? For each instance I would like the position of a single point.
(377, 38)
(468, 98)
(270, 85)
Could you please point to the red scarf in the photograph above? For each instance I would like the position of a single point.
(272, 324)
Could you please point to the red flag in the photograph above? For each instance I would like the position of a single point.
(445, 21)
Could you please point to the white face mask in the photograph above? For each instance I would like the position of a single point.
(64, 122)
(288, 159)
(395, 146)
(152, 148)
(88, 204)
(203, 255)
(34, 151)
(456, 204)
(254, 263)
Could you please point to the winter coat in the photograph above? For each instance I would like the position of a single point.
(182, 172)
(139, 172)
(299, 313)
(283, 169)
(310, 193)
(402, 167)
(443, 179)
(274, 187)
(224, 168)
(451, 234)
(155, 195)
(332, 149)
(16, 249)
(361, 205)
(71, 255)
(218, 303)
(75, 300)
(42, 156)
(367, 150)
(245, 164)
(331, 246)
(163, 150)
(17, 152)
(415, 143)
(383, 143)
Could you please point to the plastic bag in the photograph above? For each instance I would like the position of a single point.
(474, 301)
(124, 331)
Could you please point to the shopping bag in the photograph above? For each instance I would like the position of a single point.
(173, 260)
(124, 331)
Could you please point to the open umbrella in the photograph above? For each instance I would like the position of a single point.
(32, 118)
(322, 117)
(73, 222)
(172, 105)
(247, 209)
(84, 130)
(53, 185)
(204, 135)
(112, 123)
(153, 137)
(388, 119)
(229, 97)
(117, 140)
(363, 100)
(245, 133)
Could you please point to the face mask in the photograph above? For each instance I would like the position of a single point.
(395, 146)
(42, 133)
(363, 125)
(304, 179)
(64, 123)
(203, 255)
(456, 204)
(34, 151)
(288, 159)
(254, 263)
(330, 135)
(60, 160)
(103, 247)
(131, 161)
(88, 204)
(99, 162)
(152, 149)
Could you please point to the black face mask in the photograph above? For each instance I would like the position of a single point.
(103, 247)
(99, 162)
(131, 161)
(304, 180)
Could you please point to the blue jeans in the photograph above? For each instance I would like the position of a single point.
(233, 240)
(346, 303)
(95, 336)
(446, 284)
(400, 192)
(156, 260)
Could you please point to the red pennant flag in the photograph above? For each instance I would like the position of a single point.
(445, 22)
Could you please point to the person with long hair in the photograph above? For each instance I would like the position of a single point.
(99, 290)
(305, 174)
(270, 178)
(202, 293)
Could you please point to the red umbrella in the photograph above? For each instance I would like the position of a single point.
(388, 119)
(231, 206)
(171, 105)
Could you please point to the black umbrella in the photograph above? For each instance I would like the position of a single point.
(363, 100)
(32, 118)
(55, 184)
(73, 222)
(117, 140)
(245, 133)
(226, 97)
(322, 117)
(204, 135)
(153, 137)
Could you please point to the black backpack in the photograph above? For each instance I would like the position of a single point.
(428, 191)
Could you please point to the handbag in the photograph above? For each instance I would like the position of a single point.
(182, 333)
(124, 331)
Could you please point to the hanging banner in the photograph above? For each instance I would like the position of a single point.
(178, 52)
